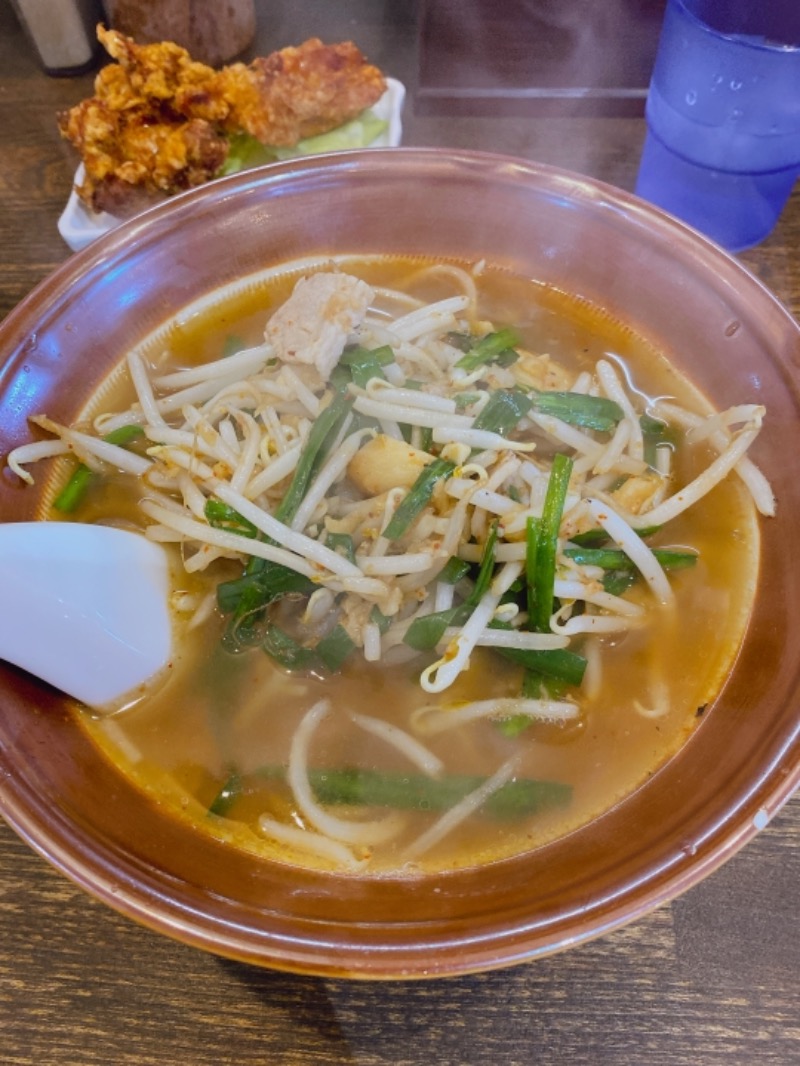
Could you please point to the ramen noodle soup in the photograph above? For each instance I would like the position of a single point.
(459, 560)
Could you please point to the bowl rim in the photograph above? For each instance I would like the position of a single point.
(466, 950)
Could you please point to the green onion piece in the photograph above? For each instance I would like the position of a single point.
(503, 411)
(403, 791)
(533, 534)
(454, 571)
(577, 409)
(417, 498)
(490, 349)
(334, 648)
(82, 477)
(548, 542)
(319, 440)
(221, 516)
(285, 650)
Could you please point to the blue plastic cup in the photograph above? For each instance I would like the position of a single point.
(722, 150)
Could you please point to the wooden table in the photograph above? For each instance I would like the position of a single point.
(711, 978)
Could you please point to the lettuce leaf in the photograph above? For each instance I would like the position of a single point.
(246, 152)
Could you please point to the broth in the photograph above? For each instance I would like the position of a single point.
(223, 717)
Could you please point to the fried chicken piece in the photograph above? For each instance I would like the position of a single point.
(160, 122)
(131, 161)
(299, 92)
(159, 78)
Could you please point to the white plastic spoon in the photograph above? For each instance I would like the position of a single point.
(85, 608)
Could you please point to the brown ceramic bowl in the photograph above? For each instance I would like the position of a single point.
(716, 322)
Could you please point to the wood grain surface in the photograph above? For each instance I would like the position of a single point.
(710, 979)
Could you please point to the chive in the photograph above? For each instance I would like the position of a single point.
(462, 341)
(513, 725)
(221, 516)
(616, 559)
(454, 571)
(484, 578)
(246, 627)
(342, 544)
(82, 477)
(558, 663)
(232, 344)
(334, 648)
(377, 616)
(340, 377)
(577, 409)
(226, 796)
(356, 356)
(74, 490)
(425, 632)
(466, 399)
(655, 432)
(323, 431)
(492, 348)
(533, 533)
(269, 582)
(548, 542)
(417, 498)
(425, 439)
(404, 791)
(617, 582)
(592, 538)
(285, 650)
(534, 687)
(365, 364)
(503, 411)
(124, 435)
(247, 597)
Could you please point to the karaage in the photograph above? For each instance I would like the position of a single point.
(160, 122)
